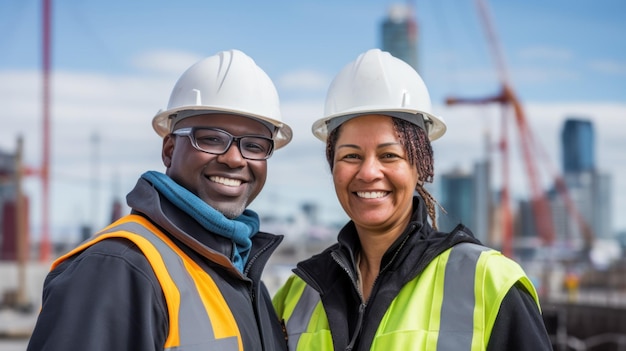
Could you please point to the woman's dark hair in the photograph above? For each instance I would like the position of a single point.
(419, 153)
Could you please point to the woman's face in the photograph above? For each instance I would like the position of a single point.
(373, 178)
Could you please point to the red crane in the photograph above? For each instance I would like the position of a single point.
(539, 203)
(44, 172)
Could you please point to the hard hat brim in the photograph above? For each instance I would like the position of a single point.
(436, 128)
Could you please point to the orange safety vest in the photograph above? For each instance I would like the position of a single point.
(186, 287)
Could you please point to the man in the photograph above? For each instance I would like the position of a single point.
(183, 270)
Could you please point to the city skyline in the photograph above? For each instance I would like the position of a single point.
(114, 64)
(578, 210)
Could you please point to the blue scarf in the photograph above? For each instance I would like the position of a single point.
(239, 230)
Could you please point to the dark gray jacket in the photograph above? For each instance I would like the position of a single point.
(108, 298)
(518, 326)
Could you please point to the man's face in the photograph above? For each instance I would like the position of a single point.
(227, 182)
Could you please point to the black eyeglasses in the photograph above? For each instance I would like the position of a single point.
(216, 141)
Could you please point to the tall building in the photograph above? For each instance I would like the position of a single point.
(8, 196)
(399, 34)
(457, 199)
(589, 190)
(603, 206)
(525, 220)
(467, 198)
(578, 146)
(483, 205)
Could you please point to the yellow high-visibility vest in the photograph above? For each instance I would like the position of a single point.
(452, 305)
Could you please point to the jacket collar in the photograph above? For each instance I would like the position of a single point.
(408, 255)
(349, 241)
(145, 200)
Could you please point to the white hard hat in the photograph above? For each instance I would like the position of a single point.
(227, 82)
(378, 83)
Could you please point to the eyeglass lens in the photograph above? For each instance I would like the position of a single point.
(217, 142)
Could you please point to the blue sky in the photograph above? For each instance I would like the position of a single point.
(115, 62)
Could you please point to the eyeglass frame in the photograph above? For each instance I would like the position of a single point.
(189, 132)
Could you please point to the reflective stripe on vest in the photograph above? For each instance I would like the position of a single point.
(186, 286)
(451, 305)
(457, 309)
(301, 315)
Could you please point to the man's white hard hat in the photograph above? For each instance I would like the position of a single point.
(227, 82)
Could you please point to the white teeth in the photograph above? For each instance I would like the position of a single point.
(225, 181)
(371, 194)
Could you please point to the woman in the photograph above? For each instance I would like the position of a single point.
(393, 282)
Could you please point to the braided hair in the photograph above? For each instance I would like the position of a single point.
(419, 153)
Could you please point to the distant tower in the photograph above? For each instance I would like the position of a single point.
(578, 146)
(8, 196)
(589, 189)
(483, 204)
(603, 206)
(14, 214)
(482, 201)
(399, 34)
(458, 199)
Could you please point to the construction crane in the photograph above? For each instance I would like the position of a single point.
(510, 103)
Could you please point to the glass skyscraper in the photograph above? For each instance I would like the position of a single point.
(399, 34)
(457, 198)
(589, 189)
(578, 146)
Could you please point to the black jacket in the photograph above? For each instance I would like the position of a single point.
(108, 298)
(519, 325)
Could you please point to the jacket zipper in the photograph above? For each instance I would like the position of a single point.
(362, 307)
(341, 261)
(357, 330)
(253, 287)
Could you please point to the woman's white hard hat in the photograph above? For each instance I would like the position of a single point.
(227, 82)
(378, 83)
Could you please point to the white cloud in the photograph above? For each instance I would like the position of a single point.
(165, 61)
(612, 67)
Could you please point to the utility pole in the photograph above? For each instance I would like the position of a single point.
(21, 226)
